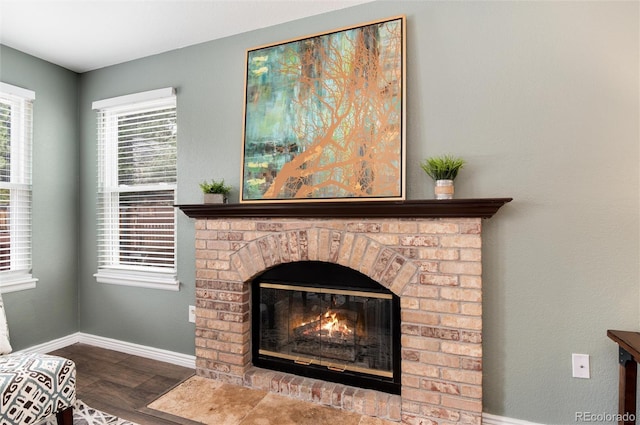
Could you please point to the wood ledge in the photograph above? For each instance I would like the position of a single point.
(430, 208)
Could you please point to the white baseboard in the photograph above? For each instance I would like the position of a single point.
(179, 359)
(49, 346)
(167, 356)
(489, 419)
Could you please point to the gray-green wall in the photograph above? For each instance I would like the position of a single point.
(541, 98)
(51, 310)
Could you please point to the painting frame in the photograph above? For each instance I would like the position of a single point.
(324, 116)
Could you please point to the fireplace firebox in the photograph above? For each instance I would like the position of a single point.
(327, 321)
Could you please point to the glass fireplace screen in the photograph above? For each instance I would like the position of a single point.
(342, 330)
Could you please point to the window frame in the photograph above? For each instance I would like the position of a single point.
(19, 276)
(113, 272)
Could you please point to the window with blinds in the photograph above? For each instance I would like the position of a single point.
(137, 150)
(15, 187)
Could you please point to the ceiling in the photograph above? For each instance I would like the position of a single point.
(83, 35)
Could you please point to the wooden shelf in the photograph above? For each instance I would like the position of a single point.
(431, 208)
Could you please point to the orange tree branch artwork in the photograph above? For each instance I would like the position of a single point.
(323, 116)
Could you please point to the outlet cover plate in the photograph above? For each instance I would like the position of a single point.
(580, 365)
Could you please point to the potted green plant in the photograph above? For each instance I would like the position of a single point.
(443, 169)
(215, 191)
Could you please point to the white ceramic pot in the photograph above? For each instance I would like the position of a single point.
(214, 198)
(444, 189)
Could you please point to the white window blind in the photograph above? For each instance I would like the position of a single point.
(15, 187)
(137, 189)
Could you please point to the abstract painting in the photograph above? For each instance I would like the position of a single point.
(324, 117)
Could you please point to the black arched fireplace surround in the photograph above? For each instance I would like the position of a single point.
(326, 321)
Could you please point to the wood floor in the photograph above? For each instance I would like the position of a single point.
(122, 384)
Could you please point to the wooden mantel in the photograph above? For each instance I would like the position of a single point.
(482, 208)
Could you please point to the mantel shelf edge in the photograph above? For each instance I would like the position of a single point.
(431, 208)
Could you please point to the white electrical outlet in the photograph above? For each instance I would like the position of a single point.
(580, 365)
(192, 313)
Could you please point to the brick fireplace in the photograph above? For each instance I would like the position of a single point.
(428, 253)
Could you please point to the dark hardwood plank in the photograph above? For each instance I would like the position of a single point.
(122, 384)
(159, 368)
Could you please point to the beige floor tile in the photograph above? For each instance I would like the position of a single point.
(368, 420)
(279, 410)
(209, 402)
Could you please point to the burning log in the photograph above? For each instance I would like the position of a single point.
(329, 335)
(334, 327)
(345, 353)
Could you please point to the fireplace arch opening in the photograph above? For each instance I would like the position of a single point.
(326, 321)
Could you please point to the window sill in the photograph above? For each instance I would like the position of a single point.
(167, 281)
(13, 282)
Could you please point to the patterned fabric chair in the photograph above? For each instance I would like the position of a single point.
(34, 386)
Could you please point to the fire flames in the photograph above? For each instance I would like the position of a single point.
(332, 324)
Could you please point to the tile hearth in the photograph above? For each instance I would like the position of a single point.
(211, 402)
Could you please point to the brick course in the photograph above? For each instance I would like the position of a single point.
(433, 265)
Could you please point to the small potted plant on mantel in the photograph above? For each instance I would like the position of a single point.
(443, 169)
(215, 191)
